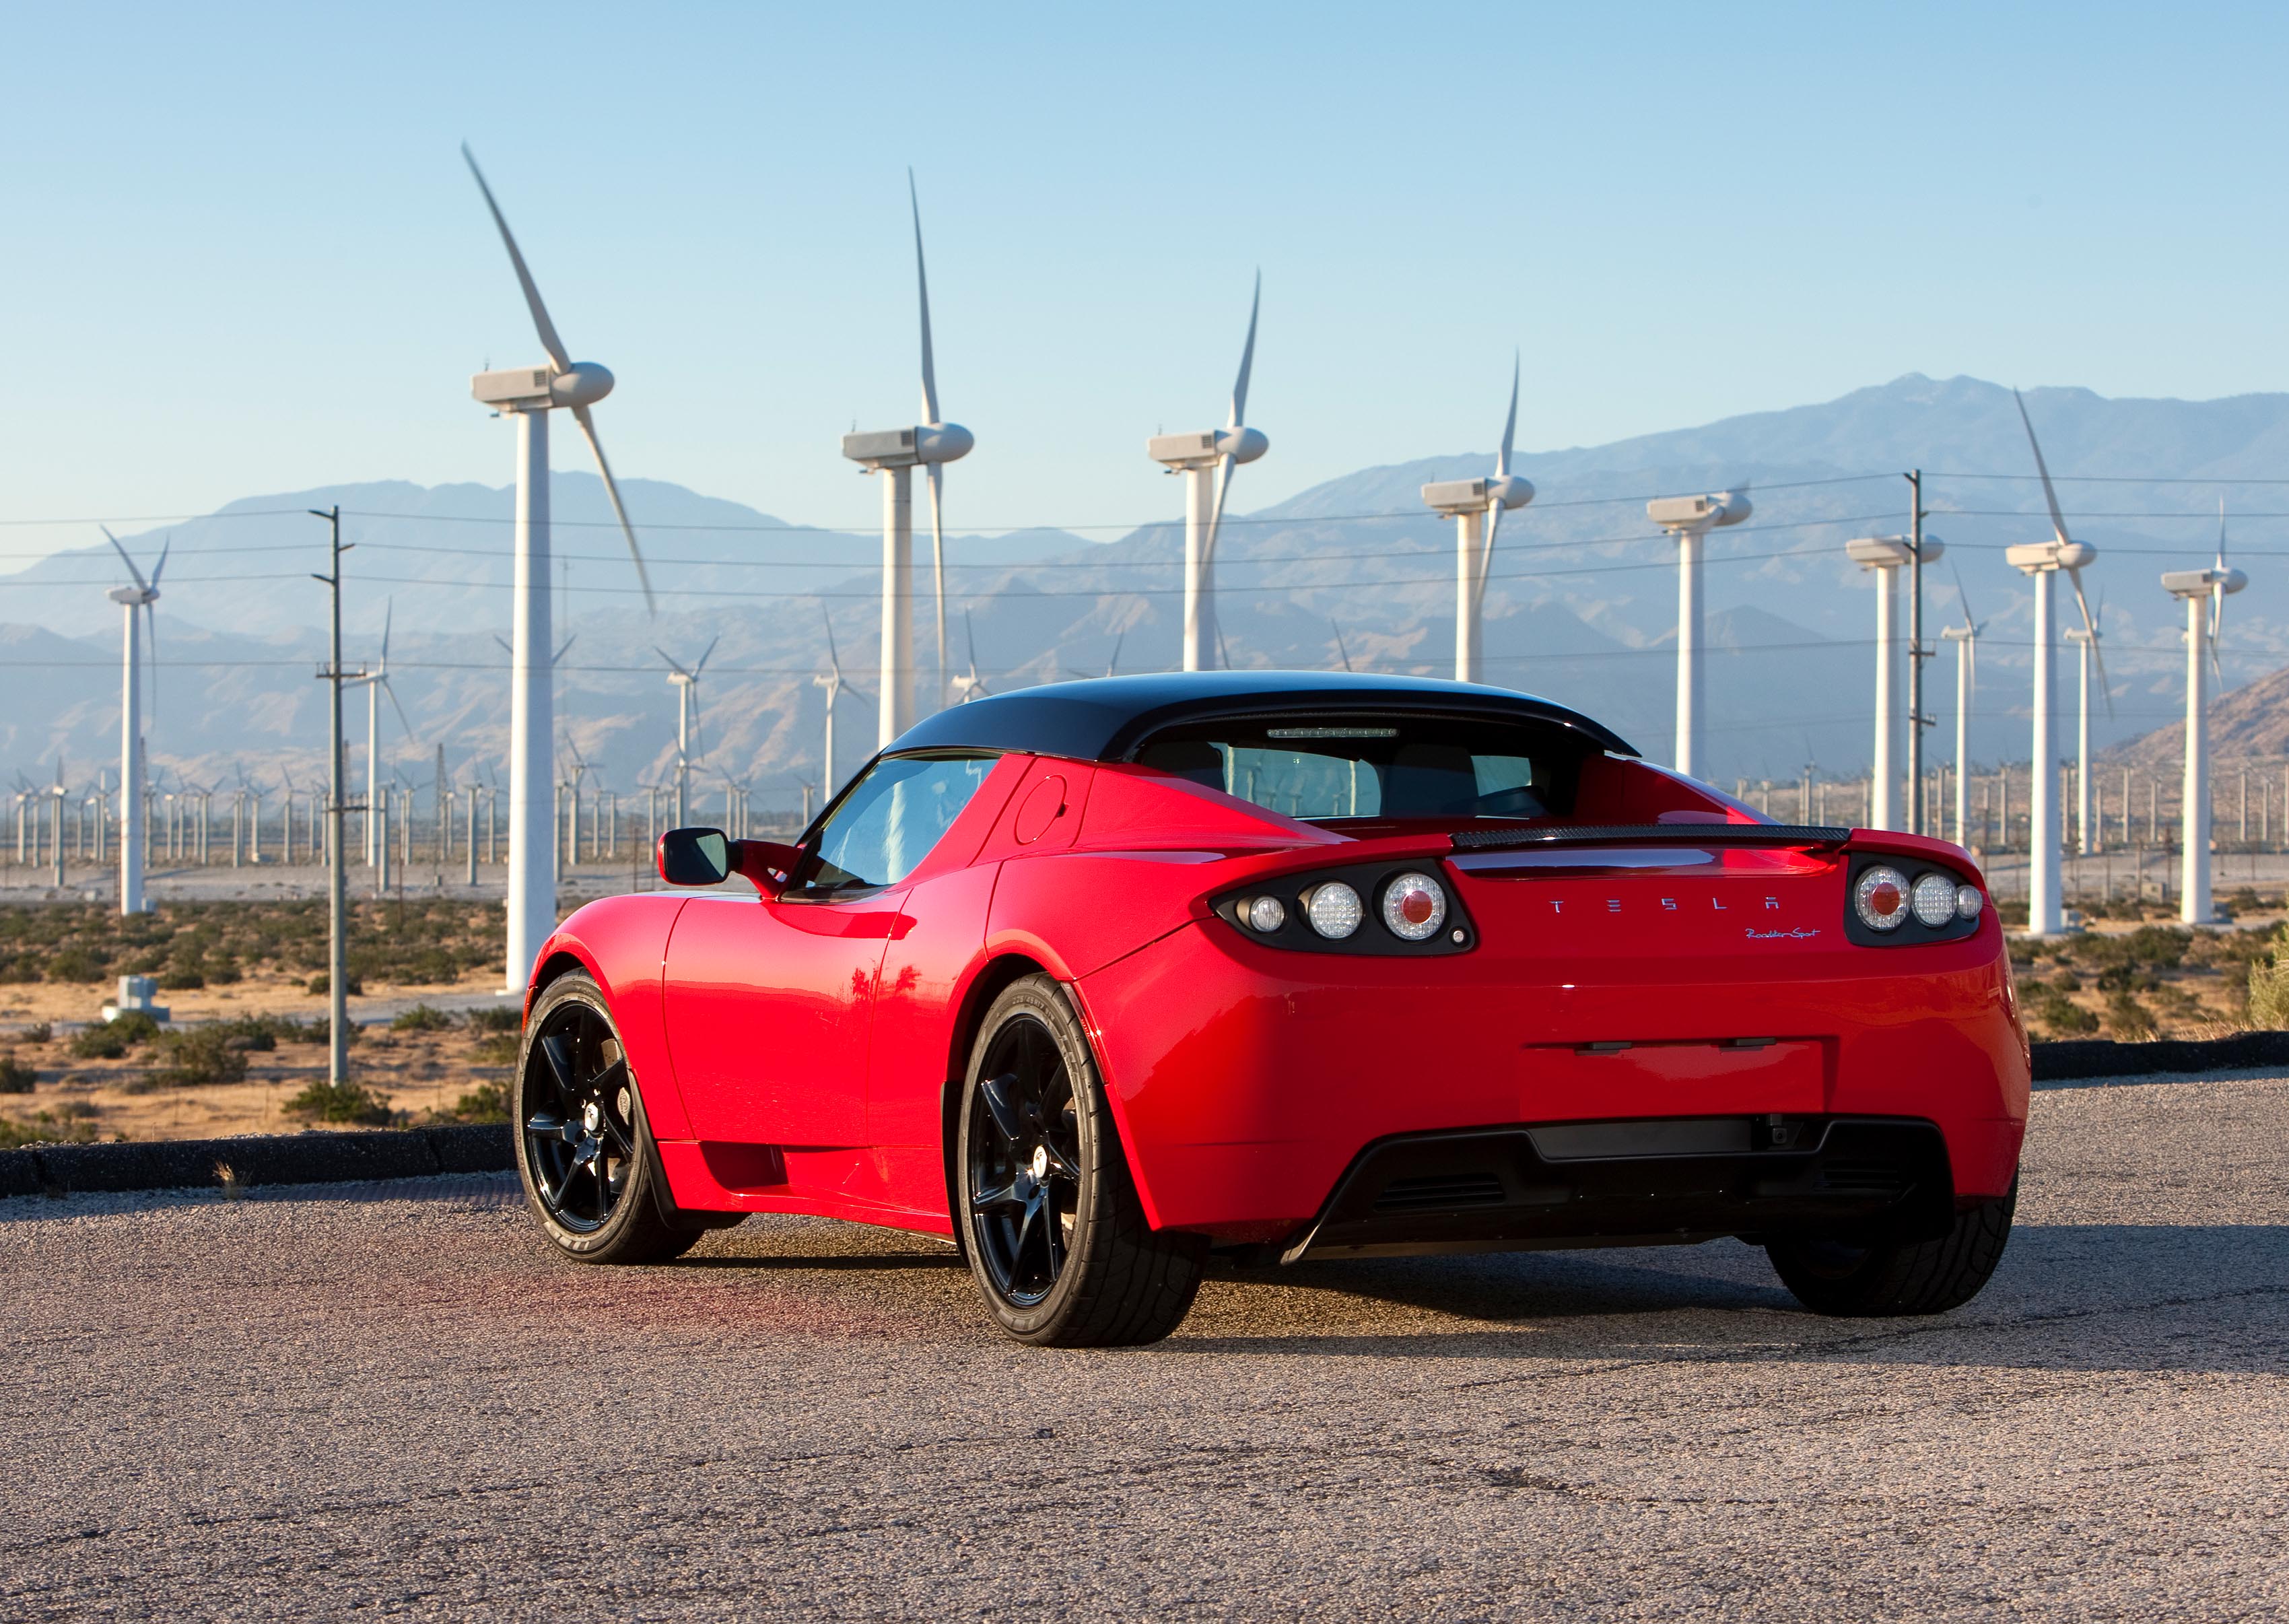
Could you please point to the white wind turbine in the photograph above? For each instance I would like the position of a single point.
(2044, 561)
(686, 681)
(1478, 506)
(2086, 640)
(1688, 520)
(833, 682)
(1194, 455)
(376, 684)
(931, 443)
(529, 393)
(972, 685)
(1887, 555)
(2203, 592)
(144, 594)
(1965, 638)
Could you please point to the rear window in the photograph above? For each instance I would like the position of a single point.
(1317, 768)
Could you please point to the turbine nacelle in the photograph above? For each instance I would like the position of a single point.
(1699, 513)
(2036, 556)
(2202, 583)
(144, 597)
(1890, 552)
(1209, 447)
(1509, 491)
(542, 388)
(906, 448)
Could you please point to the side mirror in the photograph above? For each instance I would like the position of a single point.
(695, 857)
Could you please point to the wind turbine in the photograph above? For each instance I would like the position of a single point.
(1194, 455)
(1965, 638)
(529, 393)
(931, 443)
(2043, 561)
(1478, 506)
(143, 595)
(2203, 592)
(1887, 555)
(376, 683)
(686, 681)
(1688, 520)
(2087, 638)
(971, 684)
(832, 683)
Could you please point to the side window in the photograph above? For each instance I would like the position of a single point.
(889, 820)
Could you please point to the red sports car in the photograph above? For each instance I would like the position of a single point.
(1100, 978)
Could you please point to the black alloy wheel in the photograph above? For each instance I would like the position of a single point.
(584, 1151)
(1024, 1162)
(1056, 1235)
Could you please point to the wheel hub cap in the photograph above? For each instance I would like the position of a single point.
(590, 1115)
(1040, 1163)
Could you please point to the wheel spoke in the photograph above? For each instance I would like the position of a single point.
(996, 1201)
(1001, 1096)
(544, 1126)
(561, 1059)
(1025, 1229)
(1052, 1224)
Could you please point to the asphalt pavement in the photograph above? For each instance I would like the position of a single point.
(387, 1399)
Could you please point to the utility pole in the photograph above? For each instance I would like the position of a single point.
(338, 957)
(1916, 720)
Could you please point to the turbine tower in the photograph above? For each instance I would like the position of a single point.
(376, 684)
(1194, 455)
(931, 443)
(2044, 560)
(686, 681)
(1965, 638)
(1688, 520)
(529, 393)
(143, 595)
(2203, 592)
(1478, 506)
(832, 683)
(1887, 555)
(2087, 639)
(972, 685)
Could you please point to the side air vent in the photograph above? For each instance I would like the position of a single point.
(1439, 1191)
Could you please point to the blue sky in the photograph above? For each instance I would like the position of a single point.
(242, 255)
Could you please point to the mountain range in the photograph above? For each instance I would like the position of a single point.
(1581, 608)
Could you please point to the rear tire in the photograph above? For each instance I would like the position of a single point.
(1056, 1236)
(1899, 1277)
(585, 1153)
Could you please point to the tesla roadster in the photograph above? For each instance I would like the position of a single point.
(1101, 978)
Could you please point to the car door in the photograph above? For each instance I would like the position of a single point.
(770, 1001)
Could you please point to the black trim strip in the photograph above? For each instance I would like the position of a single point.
(1681, 834)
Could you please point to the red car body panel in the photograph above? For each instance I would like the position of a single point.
(800, 1056)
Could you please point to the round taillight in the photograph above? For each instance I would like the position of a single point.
(1333, 909)
(1413, 907)
(1968, 901)
(1264, 914)
(1881, 897)
(1934, 900)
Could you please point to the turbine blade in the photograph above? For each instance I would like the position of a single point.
(1963, 597)
(1342, 653)
(404, 721)
(1510, 423)
(938, 567)
(2057, 520)
(1247, 357)
(672, 660)
(1224, 465)
(160, 568)
(549, 342)
(388, 613)
(1485, 554)
(702, 664)
(140, 584)
(151, 628)
(564, 648)
(921, 282)
(581, 416)
(834, 660)
(2220, 552)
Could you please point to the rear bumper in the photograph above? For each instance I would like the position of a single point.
(1246, 1081)
(1649, 1180)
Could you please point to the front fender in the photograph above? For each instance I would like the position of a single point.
(622, 942)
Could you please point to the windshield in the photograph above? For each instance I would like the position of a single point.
(888, 821)
(1397, 768)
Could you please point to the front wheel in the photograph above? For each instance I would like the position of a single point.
(1057, 1237)
(584, 1151)
(1898, 1277)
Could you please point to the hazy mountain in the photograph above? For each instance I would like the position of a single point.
(1582, 607)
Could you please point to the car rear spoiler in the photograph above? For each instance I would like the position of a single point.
(1637, 834)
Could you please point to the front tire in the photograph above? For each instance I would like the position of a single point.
(1056, 1236)
(1898, 1278)
(584, 1151)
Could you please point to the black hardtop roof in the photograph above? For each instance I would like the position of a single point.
(1106, 718)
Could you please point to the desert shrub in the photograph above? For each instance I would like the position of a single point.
(2128, 1020)
(100, 1041)
(322, 983)
(496, 1049)
(135, 1026)
(39, 1032)
(2060, 1016)
(182, 978)
(350, 1103)
(45, 1129)
(77, 964)
(422, 1017)
(200, 1058)
(15, 1076)
(496, 1018)
(486, 1102)
(2268, 985)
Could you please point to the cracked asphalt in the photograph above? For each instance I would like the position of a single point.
(387, 1398)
